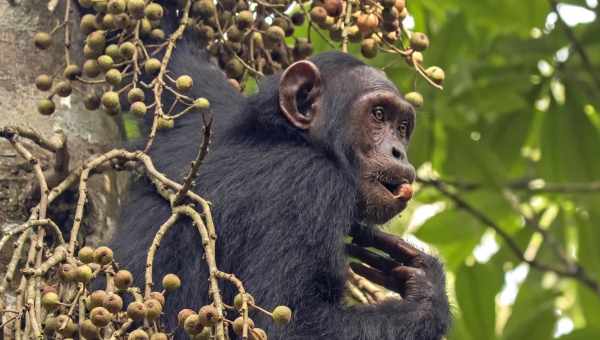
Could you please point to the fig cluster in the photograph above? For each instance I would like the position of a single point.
(125, 41)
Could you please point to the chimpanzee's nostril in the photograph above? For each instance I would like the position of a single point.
(397, 153)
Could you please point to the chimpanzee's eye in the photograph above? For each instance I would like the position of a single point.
(379, 113)
(403, 128)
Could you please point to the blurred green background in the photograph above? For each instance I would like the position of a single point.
(509, 160)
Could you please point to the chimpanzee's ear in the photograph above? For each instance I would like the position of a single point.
(300, 92)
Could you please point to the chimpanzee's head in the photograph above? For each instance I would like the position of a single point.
(357, 113)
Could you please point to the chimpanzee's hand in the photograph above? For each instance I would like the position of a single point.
(407, 270)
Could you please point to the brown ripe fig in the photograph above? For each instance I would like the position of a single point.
(303, 48)
(86, 254)
(127, 50)
(419, 41)
(192, 325)
(205, 9)
(50, 300)
(153, 309)
(66, 326)
(415, 58)
(50, 325)
(89, 53)
(238, 325)
(257, 334)
(100, 317)
(116, 6)
(282, 315)
(165, 123)
(105, 62)
(406, 192)
(152, 66)
(108, 22)
(209, 315)
(367, 22)
(110, 99)
(333, 7)
(113, 77)
(234, 68)
(204, 335)
(400, 5)
(298, 18)
(244, 19)
(369, 48)
(42, 40)
(91, 68)
(67, 271)
(318, 14)
(88, 24)
(135, 8)
(145, 27)
(158, 296)
(96, 40)
(159, 336)
(184, 83)
(136, 94)
(43, 82)
(414, 98)
(113, 302)
(91, 101)
(112, 50)
(88, 330)
(96, 299)
(123, 279)
(436, 74)
(138, 334)
(205, 33)
(138, 108)
(157, 34)
(46, 106)
(104, 255)
(153, 11)
(275, 34)
(183, 315)
(171, 282)
(63, 88)
(100, 5)
(237, 300)
(136, 311)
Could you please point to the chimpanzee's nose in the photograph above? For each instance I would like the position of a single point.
(398, 154)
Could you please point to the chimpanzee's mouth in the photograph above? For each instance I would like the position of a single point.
(392, 186)
(399, 188)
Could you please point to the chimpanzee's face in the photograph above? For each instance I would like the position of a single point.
(381, 125)
(378, 122)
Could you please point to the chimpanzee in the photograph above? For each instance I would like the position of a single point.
(318, 154)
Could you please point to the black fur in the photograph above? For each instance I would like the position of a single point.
(282, 205)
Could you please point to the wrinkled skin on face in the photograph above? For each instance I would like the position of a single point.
(381, 124)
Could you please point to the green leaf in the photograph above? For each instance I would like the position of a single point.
(583, 334)
(476, 288)
(533, 315)
(454, 234)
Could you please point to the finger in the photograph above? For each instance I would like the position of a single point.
(396, 247)
(401, 275)
(369, 273)
(361, 235)
(374, 260)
